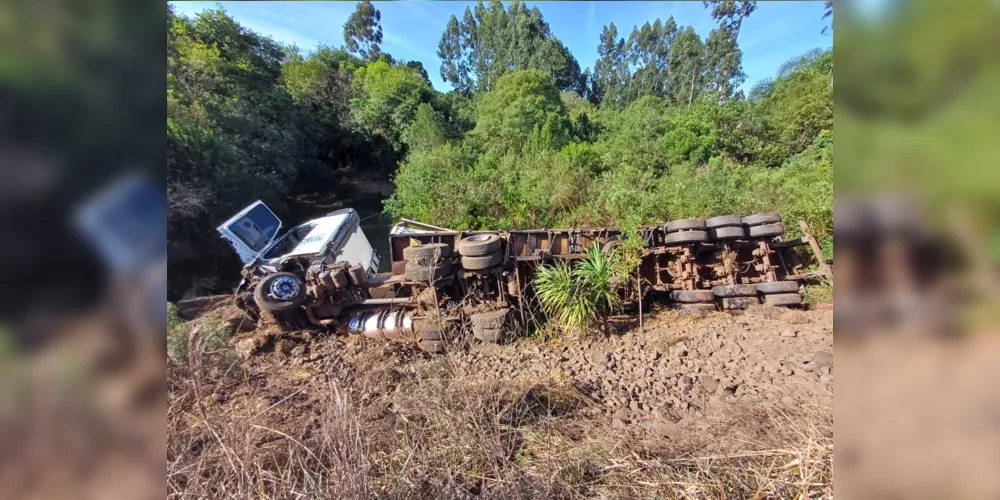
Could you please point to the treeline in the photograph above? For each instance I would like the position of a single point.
(526, 139)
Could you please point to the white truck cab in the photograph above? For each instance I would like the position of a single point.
(254, 234)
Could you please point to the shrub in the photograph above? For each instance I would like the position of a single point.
(577, 296)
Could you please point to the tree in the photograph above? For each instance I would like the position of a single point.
(418, 67)
(453, 51)
(611, 72)
(363, 31)
(722, 50)
(389, 99)
(492, 41)
(687, 65)
(827, 12)
(427, 130)
(525, 106)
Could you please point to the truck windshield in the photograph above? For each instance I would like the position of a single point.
(256, 228)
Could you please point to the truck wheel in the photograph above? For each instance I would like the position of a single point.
(280, 292)
(704, 307)
(432, 346)
(726, 291)
(489, 320)
(685, 237)
(783, 299)
(764, 218)
(483, 262)
(766, 230)
(778, 287)
(723, 221)
(692, 296)
(428, 273)
(426, 254)
(732, 303)
(479, 245)
(490, 335)
(683, 224)
(727, 233)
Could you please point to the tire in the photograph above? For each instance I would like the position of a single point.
(263, 294)
(489, 320)
(431, 335)
(428, 273)
(724, 221)
(735, 303)
(783, 299)
(691, 308)
(479, 245)
(683, 224)
(778, 287)
(426, 254)
(692, 296)
(685, 237)
(727, 233)
(610, 246)
(432, 346)
(480, 263)
(726, 291)
(764, 218)
(489, 335)
(766, 230)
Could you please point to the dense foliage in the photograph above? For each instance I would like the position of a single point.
(656, 131)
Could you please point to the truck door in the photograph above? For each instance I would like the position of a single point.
(251, 230)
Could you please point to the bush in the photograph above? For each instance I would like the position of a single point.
(579, 295)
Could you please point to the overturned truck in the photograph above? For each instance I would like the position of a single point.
(325, 272)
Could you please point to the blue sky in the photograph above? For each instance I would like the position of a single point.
(775, 33)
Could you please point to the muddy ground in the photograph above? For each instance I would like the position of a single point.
(679, 378)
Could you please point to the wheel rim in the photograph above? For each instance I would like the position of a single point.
(479, 237)
(284, 288)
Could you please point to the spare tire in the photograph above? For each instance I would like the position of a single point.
(428, 273)
(778, 287)
(766, 230)
(724, 221)
(727, 233)
(478, 245)
(426, 254)
(685, 237)
(692, 296)
(482, 263)
(684, 224)
(764, 218)
(735, 291)
(280, 292)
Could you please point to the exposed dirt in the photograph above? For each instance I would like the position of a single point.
(685, 398)
(678, 368)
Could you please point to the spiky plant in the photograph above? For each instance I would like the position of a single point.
(577, 296)
(562, 297)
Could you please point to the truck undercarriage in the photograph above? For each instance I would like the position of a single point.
(442, 279)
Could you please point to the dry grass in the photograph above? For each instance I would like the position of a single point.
(387, 434)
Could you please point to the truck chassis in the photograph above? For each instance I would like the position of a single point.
(483, 279)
